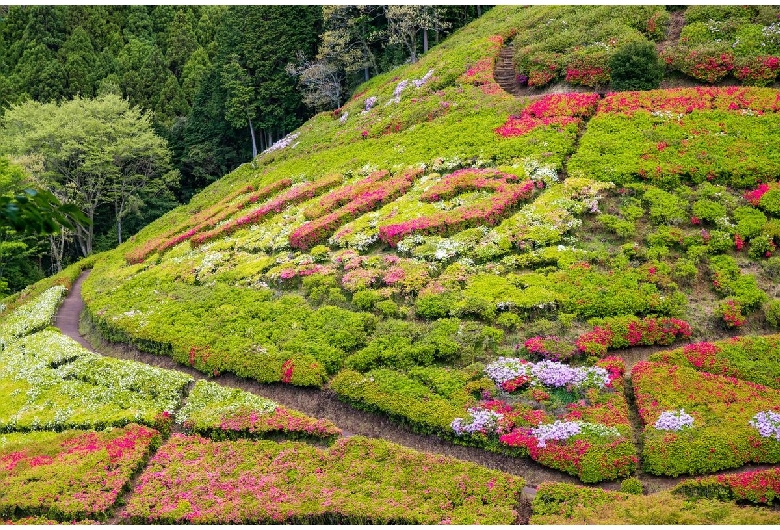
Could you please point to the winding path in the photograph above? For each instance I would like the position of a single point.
(325, 404)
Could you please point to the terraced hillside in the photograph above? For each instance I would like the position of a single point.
(582, 280)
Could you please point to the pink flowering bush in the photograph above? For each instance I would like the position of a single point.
(506, 194)
(551, 348)
(294, 195)
(556, 109)
(229, 413)
(760, 487)
(358, 480)
(348, 202)
(759, 71)
(750, 358)
(70, 475)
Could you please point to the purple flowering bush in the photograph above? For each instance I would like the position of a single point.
(547, 373)
(768, 424)
(671, 420)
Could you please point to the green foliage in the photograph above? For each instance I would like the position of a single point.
(568, 504)
(636, 66)
(772, 313)
(631, 485)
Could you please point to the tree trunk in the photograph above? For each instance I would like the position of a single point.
(254, 143)
(57, 248)
(365, 73)
(479, 11)
(425, 40)
(119, 228)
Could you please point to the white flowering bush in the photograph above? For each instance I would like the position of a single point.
(51, 382)
(673, 420)
(32, 316)
(479, 421)
(563, 430)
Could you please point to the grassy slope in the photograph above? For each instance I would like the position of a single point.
(212, 306)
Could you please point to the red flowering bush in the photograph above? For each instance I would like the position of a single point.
(622, 332)
(73, 474)
(748, 358)
(721, 436)
(551, 348)
(358, 480)
(556, 109)
(730, 311)
(686, 100)
(705, 64)
(760, 487)
(294, 195)
(758, 71)
(348, 202)
(206, 218)
(588, 69)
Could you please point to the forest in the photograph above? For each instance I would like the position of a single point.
(126, 112)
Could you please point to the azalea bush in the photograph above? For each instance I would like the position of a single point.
(716, 431)
(70, 475)
(32, 316)
(555, 109)
(219, 412)
(583, 40)
(760, 487)
(591, 440)
(51, 382)
(359, 480)
(749, 358)
(622, 332)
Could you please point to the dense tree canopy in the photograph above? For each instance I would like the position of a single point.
(212, 81)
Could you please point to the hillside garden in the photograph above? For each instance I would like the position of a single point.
(584, 280)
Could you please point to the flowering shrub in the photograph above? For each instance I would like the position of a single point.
(731, 312)
(220, 412)
(761, 487)
(479, 421)
(670, 102)
(70, 475)
(349, 202)
(671, 420)
(294, 195)
(482, 212)
(768, 424)
(621, 332)
(555, 109)
(563, 430)
(54, 383)
(748, 358)
(705, 64)
(32, 316)
(551, 348)
(358, 480)
(219, 216)
(547, 373)
(759, 71)
(722, 408)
